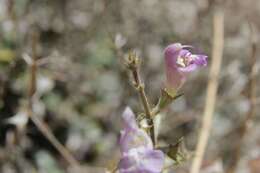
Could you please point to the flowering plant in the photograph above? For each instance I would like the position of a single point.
(136, 145)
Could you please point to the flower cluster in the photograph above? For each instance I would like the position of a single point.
(138, 154)
(178, 63)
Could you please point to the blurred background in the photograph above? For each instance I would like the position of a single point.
(82, 85)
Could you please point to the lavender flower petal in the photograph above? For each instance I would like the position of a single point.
(133, 139)
(129, 119)
(138, 155)
(142, 160)
(178, 63)
(201, 60)
(132, 136)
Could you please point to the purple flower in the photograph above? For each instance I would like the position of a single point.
(138, 155)
(179, 62)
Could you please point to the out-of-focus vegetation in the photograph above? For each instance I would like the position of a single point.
(83, 86)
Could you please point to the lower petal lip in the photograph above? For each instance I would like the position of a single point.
(188, 69)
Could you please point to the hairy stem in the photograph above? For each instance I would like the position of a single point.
(133, 64)
(140, 87)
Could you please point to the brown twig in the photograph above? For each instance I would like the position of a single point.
(218, 41)
(44, 129)
(133, 64)
(252, 100)
(11, 11)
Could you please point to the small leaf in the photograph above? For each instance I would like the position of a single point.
(174, 151)
(165, 99)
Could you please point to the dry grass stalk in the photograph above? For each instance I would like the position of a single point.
(44, 129)
(218, 42)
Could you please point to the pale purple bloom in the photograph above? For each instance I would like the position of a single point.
(179, 62)
(138, 155)
(132, 136)
(141, 160)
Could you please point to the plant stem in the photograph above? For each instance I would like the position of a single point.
(44, 129)
(218, 41)
(133, 64)
(140, 87)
